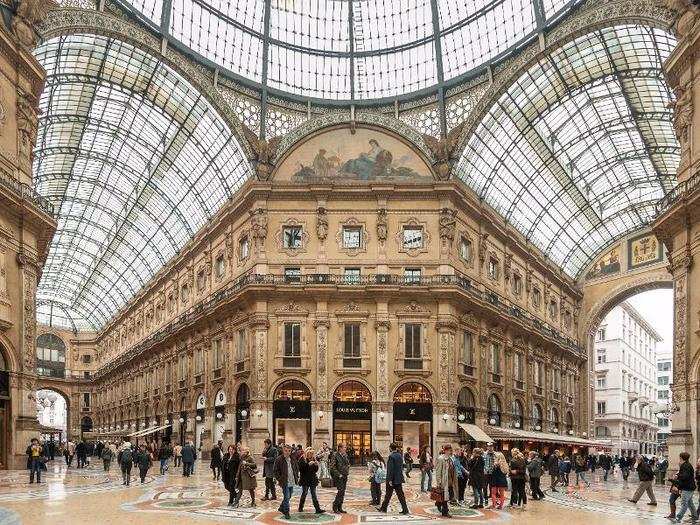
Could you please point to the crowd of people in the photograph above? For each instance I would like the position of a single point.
(487, 473)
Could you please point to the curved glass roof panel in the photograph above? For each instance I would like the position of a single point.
(576, 151)
(135, 161)
(351, 49)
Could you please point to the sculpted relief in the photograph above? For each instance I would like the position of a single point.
(337, 155)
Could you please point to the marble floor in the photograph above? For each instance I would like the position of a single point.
(91, 496)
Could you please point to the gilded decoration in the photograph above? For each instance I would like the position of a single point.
(606, 264)
(644, 250)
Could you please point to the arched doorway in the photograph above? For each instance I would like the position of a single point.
(50, 356)
(291, 414)
(199, 420)
(219, 416)
(352, 420)
(168, 432)
(413, 417)
(4, 407)
(494, 411)
(53, 416)
(518, 414)
(182, 429)
(242, 412)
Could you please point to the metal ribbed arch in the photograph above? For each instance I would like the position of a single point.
(575, 149)
(135, 161)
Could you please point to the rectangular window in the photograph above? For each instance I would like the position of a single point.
(663, 380)
(465, 249)
(495, 362)
(291, 237)
(412, 347)
(601, 382)
(351, 351)
(468, 352)
(220, 267)
(517, 284)
(411, 275)
(663, 394)
(601, 356)
(292, 275)
(352, 236)
(412, 237)
(600, 407)
(292, 345)
(601, 334)
(217, 353)
(518, 361)
(86, 399)
(351, 276)
(241, 346)
(539, 377)
(493, 268)
(243, 248)
(199, 362)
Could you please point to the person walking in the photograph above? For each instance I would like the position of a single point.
(70, 450)
(408, 461)
(164, 454)
(553, 469)
(286, 472)
(377, 476)
(534, 470)
(245, 478)
(81, 452)
(625, 467)
(394, 480)
(660, 470)
(217, 453)
(444, 476)
(460, 462)
(143, 461)
(126, 460)
(606, 464)
(308, 479)
(685, 480)
(189, 455)
(489, 458)
(517, 479)
(269, 454)
(425, 462)
(580, 467)
(564, 471)
(674, 494)
(177, 455)
(476, 478)
(339, 466)
(35, 460)
(499, 481)
(646, 479)
(229, 470)
(107, 455)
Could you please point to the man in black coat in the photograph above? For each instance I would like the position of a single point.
(217, 453)
(394, 479)
(646, 479)
(553, 469)
(270, 454)
(339, 466)
(605, 462)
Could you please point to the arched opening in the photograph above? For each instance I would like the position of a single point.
(199, 427)
(4, 407)
(219, 416)
(632, 355)
(494, 410)
(50, 356)
(554, 419)
(182, 429)
(168, 433)
(413, 417)
(242, 412)
(466, 406)
(291, 413)
(352, 420)
(53, 417)
(537, 419)
(518, 414)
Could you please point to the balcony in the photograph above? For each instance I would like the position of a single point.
(242, 367)
(199, 378)
(297, 364)
(412, 366)
(27, 193)
(518, 384)
(217, 374)
(468, 370)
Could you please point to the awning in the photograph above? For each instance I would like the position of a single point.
(475, 432)
(524, 435)
(147, 431)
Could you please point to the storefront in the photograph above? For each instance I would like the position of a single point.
(352, 420)
(291, 414)
(242, 413)
(413, 417)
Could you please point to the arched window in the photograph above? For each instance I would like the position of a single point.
(352, 391)
(569, 422)
(466, 406)
(537, 416)
(292, 390)
(51, 356)
(517, 414)
(243, 394)
(494, 409)
(554, 416)
(413, 393)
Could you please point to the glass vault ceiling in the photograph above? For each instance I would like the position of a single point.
(578, 150)
(350, 49)
(135, 161)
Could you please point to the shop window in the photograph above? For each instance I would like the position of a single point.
(351, 351)
(292, 345)
(412, 347)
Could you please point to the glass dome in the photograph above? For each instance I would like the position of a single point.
(350, 49)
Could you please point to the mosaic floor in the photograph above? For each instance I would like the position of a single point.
(92, 496)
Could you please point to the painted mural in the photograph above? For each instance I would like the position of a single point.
(338, 155)
(606, 264)
(643, 250)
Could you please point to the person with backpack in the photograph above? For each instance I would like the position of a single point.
(580, 468)
(126, 460)
(377, 476)
(308, 479)
(143, 460)
(646, 479)
(107, 456)
(534, 469)
(164, 454)
(339, 466)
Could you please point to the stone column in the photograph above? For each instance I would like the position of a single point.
(445, 429)
(383, 418)
(261, 406)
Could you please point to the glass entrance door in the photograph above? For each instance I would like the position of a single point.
(357, 437)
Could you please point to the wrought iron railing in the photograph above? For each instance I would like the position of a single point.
(26, 192)
(683, 188)
(487, 297)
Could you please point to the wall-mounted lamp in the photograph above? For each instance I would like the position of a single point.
(538, 428)
(516, 424)
(320, 414)
(181, 420)
(492, 421)
(198, 418)
(445, 417)
(219, 415)
(244, 413)
(381, 415)
(258, 412)
(461, 417)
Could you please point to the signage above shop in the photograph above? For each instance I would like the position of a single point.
(352, 410)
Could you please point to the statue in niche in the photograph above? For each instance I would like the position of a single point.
(382, 225)
(321, 224)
